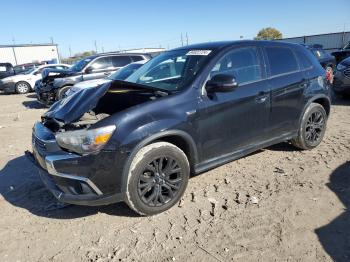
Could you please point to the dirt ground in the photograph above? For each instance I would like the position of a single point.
(279, 204)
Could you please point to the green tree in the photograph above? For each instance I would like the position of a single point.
(268, 33)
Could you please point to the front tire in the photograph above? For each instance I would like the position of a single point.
(312, 127)
(157, 179)
(22, 87)
(62, 92)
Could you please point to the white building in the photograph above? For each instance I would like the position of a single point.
(22, 54)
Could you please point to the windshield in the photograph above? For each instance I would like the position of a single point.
(78, 66)
(171, 71)
(124, 72)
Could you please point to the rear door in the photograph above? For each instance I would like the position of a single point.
(287, 84)
(234, 120)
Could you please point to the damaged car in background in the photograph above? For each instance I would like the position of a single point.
(121, 74)
(184, 112)
(55, 83)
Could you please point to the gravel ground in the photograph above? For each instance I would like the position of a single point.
(279, 204)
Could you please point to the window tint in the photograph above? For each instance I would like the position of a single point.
(242, 63)
(304, 61)
(102, 63)
(120, 61)
(136, 58)
(281, 59)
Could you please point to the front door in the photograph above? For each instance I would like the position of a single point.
(238, 119)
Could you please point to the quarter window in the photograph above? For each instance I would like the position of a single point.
(281, 60)
(241, 63)
(304, 61)
(120, 61)
(137, 58)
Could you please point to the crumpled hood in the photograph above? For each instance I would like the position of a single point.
(56, 73)
(72, 108)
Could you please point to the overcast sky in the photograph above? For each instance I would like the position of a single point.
(128, 24)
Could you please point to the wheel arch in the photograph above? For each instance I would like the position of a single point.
(324, 102)
(23, 81)
(179, 138)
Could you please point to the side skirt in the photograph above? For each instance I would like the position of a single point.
(221, 160)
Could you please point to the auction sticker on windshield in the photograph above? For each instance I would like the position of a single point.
(199, 52)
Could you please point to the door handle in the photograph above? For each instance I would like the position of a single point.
(262, 97)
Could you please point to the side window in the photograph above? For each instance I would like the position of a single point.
(304, 61)
(102, 63)
(241, 63)
(120, 61)
(282, 60)
(136, 58)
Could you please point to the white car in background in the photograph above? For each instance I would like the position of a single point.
(25, 82)
(121, 74)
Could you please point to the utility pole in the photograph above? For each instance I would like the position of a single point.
(103, 49)
(70, 52)
(51, 38)
(186, 39)
(182, 40)
(96, 47)
(13, 50)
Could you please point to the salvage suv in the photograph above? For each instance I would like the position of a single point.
(55, 83)
(186, 111)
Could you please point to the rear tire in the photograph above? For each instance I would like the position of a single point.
(22, 87)
(312, 127)
(157, 179)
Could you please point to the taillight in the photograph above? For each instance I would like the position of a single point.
(329, 74)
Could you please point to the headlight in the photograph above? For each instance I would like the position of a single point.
(85, 141)
(340, 67)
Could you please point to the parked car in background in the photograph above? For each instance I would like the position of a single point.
(24, 83)
(20, 69)
(54, 86)
(121, 74)
(341, 85)
(327, 60)
(186, 111)
(343, 53)
(6, 70)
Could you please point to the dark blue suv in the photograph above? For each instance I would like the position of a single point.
(184, 112)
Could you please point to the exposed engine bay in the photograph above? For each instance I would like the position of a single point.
(88, 106)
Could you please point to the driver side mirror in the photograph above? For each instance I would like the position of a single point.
(89, 70)
(221, 83)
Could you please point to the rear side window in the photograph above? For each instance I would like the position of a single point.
(136, 58)
(282, 60)
(101, 63)
(241, 63)
(120, 61)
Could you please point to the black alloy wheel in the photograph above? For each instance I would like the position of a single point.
(160, 181)
(157, 178)
(314, 127)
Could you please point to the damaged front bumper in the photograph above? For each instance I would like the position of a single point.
(45, 94)
(67, 175)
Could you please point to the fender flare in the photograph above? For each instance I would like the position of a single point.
(179, 133)
(311, 100)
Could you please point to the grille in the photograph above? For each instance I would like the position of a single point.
(347, 73)
(38, 143)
